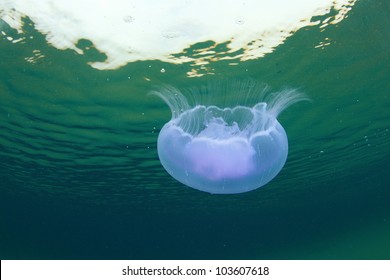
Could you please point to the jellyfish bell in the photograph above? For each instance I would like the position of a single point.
(225, 150)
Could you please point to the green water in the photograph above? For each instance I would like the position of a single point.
(80, 176)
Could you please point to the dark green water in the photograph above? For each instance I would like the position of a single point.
(80, 176)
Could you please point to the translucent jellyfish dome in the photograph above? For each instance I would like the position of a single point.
(225, 150)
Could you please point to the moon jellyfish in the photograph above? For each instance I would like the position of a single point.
(225, 150)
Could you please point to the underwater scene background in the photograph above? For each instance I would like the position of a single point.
(80, 177)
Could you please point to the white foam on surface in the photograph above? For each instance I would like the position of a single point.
(133, 30)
